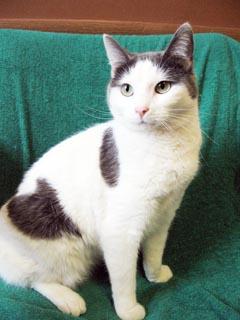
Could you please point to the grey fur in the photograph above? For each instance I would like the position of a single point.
(109, 163)
(122, 69)
(40, 215)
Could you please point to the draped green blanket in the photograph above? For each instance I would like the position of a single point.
(52, 85)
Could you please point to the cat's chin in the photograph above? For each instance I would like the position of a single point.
(142, 126)
(145, 123)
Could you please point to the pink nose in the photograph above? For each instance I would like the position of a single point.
(142, 111)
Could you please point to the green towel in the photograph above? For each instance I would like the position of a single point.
(52, 85)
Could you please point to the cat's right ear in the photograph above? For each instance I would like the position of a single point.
(117, 56)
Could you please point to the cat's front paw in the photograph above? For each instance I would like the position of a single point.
(135, 313)
(72, 304)
(163, 275)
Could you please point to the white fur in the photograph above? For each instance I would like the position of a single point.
(156, 166)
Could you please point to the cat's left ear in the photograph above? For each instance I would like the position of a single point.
(181, 45)
(117, 56)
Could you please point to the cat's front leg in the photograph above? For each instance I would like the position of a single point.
(154, 244)
(120, 242)
(153, 248)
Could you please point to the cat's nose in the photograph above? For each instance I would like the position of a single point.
(142, 111)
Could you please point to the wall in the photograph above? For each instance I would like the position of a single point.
(151, 15)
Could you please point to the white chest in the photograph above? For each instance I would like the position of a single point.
(157, 166)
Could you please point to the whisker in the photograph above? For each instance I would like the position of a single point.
(200, 111)
(94, 116)
(165, 125)
(188, 121)
(189, 108)
(172, 116)
(97, 95)
(97, 110)
(206, 135)
(202, 157)
(209, 137)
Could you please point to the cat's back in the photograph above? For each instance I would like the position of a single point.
(71, 163)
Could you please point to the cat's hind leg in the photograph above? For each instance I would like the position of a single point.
(64, 298)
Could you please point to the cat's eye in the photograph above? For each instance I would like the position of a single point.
(127, 89)
(163, 87)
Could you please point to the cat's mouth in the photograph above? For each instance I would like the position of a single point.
(151, 123)
(163, 125)
(145, 123)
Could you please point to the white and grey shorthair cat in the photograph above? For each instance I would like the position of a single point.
(111, 189)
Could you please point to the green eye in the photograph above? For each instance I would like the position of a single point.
(126, 89)
(163, 87)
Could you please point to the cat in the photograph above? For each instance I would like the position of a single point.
(111, 190)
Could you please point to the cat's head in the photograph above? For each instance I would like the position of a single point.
(153, 89)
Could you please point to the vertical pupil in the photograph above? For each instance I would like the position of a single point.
(127, 87)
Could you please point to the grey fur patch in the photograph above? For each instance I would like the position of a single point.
(122, 69)
(190, 83)
(177, 70)
(40, 215)
(109, 163)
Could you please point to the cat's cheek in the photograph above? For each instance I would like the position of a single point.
(131, 116)
(116, 104)
(122, 107)
(114, 95)
(116, 111)
(120, 110)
